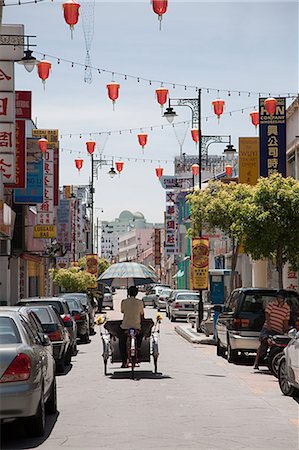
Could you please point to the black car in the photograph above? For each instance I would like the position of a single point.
(239, 324)
(80, 315)
(60, 304)
(88, 304)
(54, 327)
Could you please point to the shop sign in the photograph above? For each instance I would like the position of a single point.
(200, 263)
(20, 157)
(23, 105)
(171, 224)
(248, 160)
(45, 210)
(44, 231)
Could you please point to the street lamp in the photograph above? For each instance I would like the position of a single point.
(112, 172)
(195, 105)
(28, 61)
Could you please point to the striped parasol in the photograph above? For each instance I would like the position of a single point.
(127, 274)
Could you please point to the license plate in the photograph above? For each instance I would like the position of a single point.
(188, 306)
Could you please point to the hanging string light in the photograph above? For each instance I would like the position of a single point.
(71, 14)
(160, 8)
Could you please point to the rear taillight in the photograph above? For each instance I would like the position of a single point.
(77, 317)
(241, 323)
(55, 336)
(178, 305)
(66, 318)
(161, 298)
(18, 370)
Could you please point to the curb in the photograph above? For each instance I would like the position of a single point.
(193, 338)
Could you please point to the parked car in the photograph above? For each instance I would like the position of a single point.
(87, 303)
(60, 304)
(239, 325)
(160, 300)
(151, 296)
(182, 304)
(80, 315)
(288, 369)
(170, 298)
(108, 298)
(54, 327)
(27, 370)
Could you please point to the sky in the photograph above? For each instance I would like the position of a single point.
(225, 46)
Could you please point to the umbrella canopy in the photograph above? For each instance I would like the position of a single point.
(127, 274)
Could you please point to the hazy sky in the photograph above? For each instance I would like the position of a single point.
(246, 46)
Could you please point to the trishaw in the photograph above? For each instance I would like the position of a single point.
(149, 344)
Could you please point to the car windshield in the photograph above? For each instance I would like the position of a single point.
(43, 314)
(74, 304)
(187, 297)
(256, 302)
(9, 333)
(166, 292)
(57, 305)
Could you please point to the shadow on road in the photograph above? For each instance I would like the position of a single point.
(138, 375)
(14, 437)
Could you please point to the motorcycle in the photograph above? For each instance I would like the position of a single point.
(276, 345)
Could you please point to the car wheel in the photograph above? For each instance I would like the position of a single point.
(232, 355)
(74, 349)
(36, 425)
(68, 357)
(219, 350)
(51, 404)
(85, 338)
(285, 387)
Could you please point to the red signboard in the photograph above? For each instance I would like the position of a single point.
(23, 104)
(20, 157)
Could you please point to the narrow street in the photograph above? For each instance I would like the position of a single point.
(197, 401)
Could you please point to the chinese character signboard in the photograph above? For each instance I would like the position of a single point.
(23, 105)
(21, 156)
(33, 193)
(200, 263)
(64, 222)
(157, 247)
(248, 160)
(273, 139)
(171, 224)
(171, 181)
(45, 210)
(7, 122)
(44, 231)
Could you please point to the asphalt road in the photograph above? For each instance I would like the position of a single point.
(197, 401)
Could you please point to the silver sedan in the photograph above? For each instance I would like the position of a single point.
(27, 370)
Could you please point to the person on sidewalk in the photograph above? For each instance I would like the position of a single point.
(277, 322)
(133, 314)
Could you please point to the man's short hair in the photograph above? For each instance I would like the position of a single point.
(133, 291)
(281, 294)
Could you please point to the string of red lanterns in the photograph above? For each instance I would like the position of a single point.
(160, 8)
(79, 163)
(119, 166)
(43, 70)
(113, 73)
(142, 139)
(113, 92)
(90, 146)
(195, 169)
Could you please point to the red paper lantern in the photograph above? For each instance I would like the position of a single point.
(43, 70)
(195, 134)
(255, 118)
(160, 8)
(270, 105)
(162, 95)
(113, 91)
(43, 145)
(142, 138)
(195, 169)
(218, 105)
(119, 166)
(79, 163)
(71, 13)
(90, 145)
(159, 172)
(228, 170)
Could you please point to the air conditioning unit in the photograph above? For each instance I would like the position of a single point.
(5, 247)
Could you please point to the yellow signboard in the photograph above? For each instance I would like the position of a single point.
(44, 231)
(248, 160)
(50, 135)
(200, 263)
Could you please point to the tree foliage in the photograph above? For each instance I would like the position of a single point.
(264, 218)
(73, 279)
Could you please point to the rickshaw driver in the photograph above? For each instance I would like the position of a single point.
(133, 314)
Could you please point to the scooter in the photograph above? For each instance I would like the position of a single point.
(276, 345)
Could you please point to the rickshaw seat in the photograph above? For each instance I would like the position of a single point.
(112, 326)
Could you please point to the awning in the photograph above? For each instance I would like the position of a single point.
(179, 274)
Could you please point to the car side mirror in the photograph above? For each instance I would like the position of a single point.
(45, 340)
(293, 333)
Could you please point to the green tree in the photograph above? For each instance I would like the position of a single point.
(220, 206)
(270, 225)
(73, 279)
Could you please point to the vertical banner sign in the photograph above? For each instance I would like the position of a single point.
(157, 247)
(7, 122)
(272, 139)
(200, 263)
(171, 224)
(64, 223)
(34, 191)
(248, 160)
(21, 156)
(53, 144)
(23, 105)
(45, 210)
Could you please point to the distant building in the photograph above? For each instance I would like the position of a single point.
(112, 231)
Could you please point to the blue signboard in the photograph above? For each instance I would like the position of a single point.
(34, 191)
(272, 139)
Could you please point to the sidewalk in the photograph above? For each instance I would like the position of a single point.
(191, 335)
